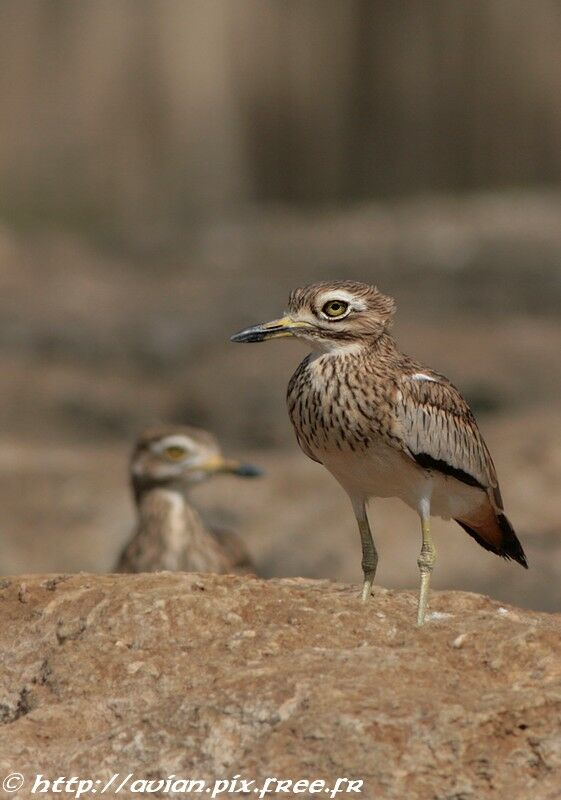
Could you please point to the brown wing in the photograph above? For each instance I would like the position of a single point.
(440, 432)
(239, 558)
(142, 553)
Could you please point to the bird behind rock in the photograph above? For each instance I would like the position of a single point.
(170, 535)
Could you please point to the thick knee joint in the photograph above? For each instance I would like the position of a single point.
(426, 561)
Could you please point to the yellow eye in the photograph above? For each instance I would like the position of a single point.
(335, 308)
(175, 452)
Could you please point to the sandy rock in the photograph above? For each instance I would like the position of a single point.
(207, 677)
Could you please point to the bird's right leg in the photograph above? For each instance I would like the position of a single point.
(425, 561)
(369, 552)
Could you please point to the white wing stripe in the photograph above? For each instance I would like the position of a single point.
(422, 376)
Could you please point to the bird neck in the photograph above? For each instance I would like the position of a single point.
(142, 487)
(168, 526)
(160, 499)
(164, 515)
(381, 347)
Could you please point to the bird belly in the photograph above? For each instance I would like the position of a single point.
(382, 471)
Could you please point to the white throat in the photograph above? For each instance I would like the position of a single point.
(334, 347)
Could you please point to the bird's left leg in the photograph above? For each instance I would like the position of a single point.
(369, 552)
(426, 560)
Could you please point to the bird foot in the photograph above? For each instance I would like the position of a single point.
(366, 589)
(423, 595)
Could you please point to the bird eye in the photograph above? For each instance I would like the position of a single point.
(175, 452)
(335, 308)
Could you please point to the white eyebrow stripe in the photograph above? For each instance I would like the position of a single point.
(422, 376)
(174, 440)
(340, 294)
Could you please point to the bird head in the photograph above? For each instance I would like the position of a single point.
(180, 456)
(330, 316)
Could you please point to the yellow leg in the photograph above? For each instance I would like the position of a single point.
(369, 552)
(425, 561)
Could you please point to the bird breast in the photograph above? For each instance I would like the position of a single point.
(344, 412)
(337, 404)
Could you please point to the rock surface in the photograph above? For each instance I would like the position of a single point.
(207, 677)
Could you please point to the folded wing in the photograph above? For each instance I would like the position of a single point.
(439, 432)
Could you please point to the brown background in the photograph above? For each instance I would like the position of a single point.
(170, 170)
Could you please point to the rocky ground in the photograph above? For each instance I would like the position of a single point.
(208, 677)
(213, 676)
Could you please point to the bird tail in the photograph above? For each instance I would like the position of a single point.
(497, 535)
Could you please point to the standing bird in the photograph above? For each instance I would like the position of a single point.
(170, 535)
(384, 425)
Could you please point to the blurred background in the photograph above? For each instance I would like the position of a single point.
(170, 169)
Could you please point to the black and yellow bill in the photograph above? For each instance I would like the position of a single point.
(232, 467)
(275, 329)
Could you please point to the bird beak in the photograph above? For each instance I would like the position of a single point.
(269, 330)
(231, 467)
